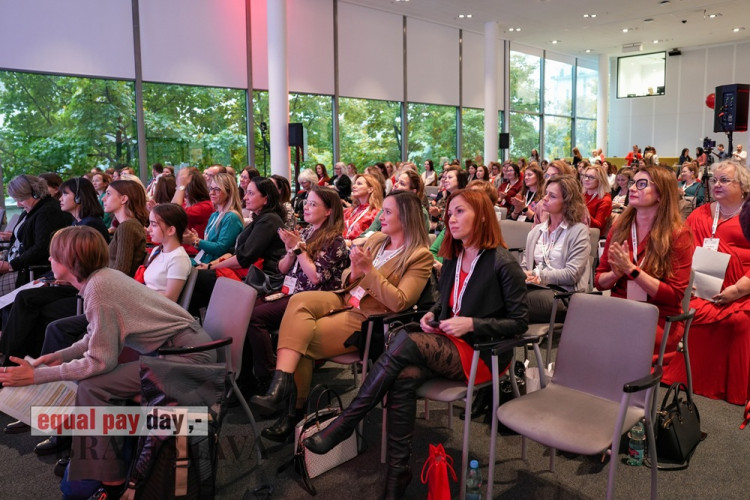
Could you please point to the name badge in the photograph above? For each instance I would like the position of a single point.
(290, 282)
(635, 292)
(356, 296)
(711, 244)
(199, 256)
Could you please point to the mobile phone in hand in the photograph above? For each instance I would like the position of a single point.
(433, 323)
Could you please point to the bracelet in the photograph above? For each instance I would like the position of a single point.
(209, 265)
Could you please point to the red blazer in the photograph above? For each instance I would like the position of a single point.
(599, 209)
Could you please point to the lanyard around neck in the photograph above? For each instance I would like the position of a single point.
(458, 295)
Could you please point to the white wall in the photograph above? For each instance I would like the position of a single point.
(680, 118)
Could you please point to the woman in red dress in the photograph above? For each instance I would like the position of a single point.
(482, 293)
(720, 333)
(596, 195)
(511, 185)
(649, 251)
(367, 199)
(322, 173)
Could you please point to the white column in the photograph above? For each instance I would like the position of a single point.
(602, 104)
(278, 88)
(490, 93)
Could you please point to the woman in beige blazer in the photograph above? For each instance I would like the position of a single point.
(387, 274)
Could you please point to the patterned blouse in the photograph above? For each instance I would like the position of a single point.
(357, 220)
(330, 263)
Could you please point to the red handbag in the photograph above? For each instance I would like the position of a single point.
(435, 473)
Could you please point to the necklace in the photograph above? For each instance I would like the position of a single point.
(729, 216)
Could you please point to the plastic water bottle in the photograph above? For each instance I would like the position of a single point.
(636, 445)
(474, 482)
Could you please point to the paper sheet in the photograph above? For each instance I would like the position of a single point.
(17, 401)
(8, 298)
(710, 268)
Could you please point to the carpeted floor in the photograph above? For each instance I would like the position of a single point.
(718, 469)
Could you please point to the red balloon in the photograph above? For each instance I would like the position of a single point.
(711, 100)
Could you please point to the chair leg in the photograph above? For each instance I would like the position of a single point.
(253, 425)
(450, 415)
(493, 426)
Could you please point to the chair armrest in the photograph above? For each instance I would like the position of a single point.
(402, 316)
(644, 383)
(503, 345)
(681, 317)
(195, 348)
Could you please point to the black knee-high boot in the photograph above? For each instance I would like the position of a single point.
(402, 410)
(402, 353)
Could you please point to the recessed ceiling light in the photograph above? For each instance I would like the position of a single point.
(587, 16)
(464, 16)
(555, 42)
(737, 30)
(588, 51)
(514, 29)
(625, 30)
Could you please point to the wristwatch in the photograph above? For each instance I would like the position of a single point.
(297, 251)
(635, 273)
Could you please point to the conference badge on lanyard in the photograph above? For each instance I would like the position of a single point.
(635, 292)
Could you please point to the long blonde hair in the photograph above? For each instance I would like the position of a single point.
(376, 196)
(412, 222)
(228, 184)
(667, 224)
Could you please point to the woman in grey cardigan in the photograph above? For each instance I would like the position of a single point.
(557, 250)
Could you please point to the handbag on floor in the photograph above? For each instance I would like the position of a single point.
(678, 428)
(318, 416)
(435, 473)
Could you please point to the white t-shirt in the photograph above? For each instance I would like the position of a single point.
(167, 265)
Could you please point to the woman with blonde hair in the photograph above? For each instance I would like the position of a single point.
(649, 252)
(224, 225)
(367, 199)
(597, 196)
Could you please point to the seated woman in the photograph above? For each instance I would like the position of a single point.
(690, 187)
(649, 252)
(259, 240)
(597, 197)
(524, 203)
(224, 225)
(408, 180)
(483, 173)
(120, 313)
(452, 180)
(101, 180)
(29, 240)
(366, 203)
(621, 190)
(192, 195)
(168, 266)
(429, 177)
(322, 173)
(719, 347)
(482, 297)
(557, 250)
(285, 194)
(306, 179)
(556, 167)
(126, 200)
(315, 260)
(387, 274)
(511, 186)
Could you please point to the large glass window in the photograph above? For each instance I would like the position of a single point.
(587, 90)
(199, 126)
(315, 113)
(585, 135)
(641, 75)
(369, 131)
(65, 124)
(432, 132)
(524, 134)
(558, 88)
(472, 125)
(525, 75)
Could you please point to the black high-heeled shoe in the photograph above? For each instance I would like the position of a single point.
(282, 388)
(281, 430)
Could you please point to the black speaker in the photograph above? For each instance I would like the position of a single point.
(731, 108)
(504, 140)
(295, 135)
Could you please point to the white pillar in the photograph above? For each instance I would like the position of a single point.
(278, 88)
(602, 105)
(490, 93)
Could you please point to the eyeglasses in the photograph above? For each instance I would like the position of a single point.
(721, 181)
(215, 190)
(588, 177)
(640, 184)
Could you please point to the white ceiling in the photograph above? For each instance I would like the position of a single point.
(675, 23)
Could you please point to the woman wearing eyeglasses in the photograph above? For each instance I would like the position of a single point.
(649, 252)
(596, 195)
(719, 352)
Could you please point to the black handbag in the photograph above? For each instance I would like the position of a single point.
(678, 428)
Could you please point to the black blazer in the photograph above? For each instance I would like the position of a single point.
(495, 298)
(343, 184)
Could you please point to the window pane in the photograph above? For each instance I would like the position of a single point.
(558, 88)
(587, 91)
(472, 120)
(199, 126)
(65, 124)
(369, 131)
(262, 138)
(557, 134)
(432, 132)
(315, 113)
(525, 71)
(524, 134)
(641, 75)
(585, 135)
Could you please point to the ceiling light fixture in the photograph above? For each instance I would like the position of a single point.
(591, 16)
(737, 30)
(555, 42)
(514, 29)
(656, 41)
(464, 16)
(625, 30)
(588, 51)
